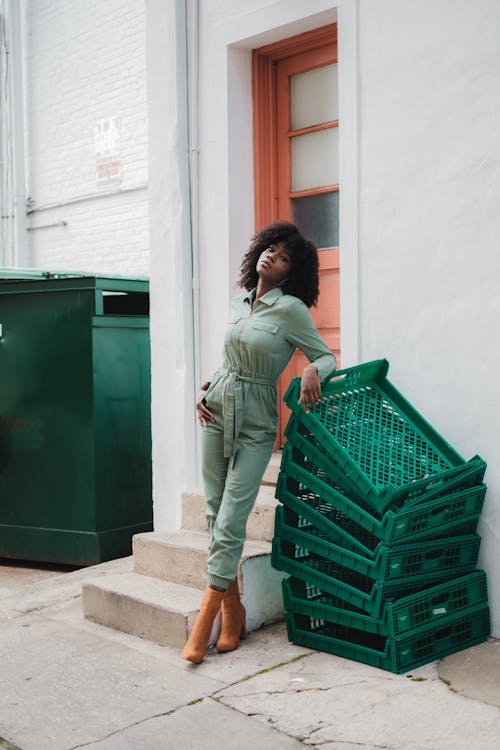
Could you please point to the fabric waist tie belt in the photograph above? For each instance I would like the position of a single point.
(233, 406)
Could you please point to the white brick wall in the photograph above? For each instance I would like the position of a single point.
(86, 61)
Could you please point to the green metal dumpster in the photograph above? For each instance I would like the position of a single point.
(75, 426)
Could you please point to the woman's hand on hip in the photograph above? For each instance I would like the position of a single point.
(310, 388)
(204, 414)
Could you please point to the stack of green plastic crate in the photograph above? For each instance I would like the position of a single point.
(377, 528)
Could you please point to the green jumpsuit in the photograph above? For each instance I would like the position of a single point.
(242, 398)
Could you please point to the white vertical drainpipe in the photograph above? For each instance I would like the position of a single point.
(21, 255)
(193, 39)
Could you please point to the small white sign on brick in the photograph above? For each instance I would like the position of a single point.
(108, 151)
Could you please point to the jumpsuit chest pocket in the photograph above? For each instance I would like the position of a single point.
(268, 327)
(232, 330)
(263, 340)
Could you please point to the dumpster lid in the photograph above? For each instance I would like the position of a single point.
(16, 274)
(38, 274)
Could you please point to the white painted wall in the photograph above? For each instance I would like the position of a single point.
(86, 61)
(429, 261)
(172, 323)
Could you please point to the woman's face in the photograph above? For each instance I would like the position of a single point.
(274, 264)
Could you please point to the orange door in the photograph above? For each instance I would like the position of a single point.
(296, 163)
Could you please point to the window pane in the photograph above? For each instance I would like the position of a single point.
(314, 97)
(317, 217)
(315, 161)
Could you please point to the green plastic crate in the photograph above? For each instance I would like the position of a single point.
(393, 654)
(406, 564)
(440, 516)
(355, 589)
(313, 452)
(331, 514)
(379, 441)
(431, 606)
(327, 518)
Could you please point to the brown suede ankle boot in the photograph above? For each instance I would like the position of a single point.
(197, 643)
(233, 626)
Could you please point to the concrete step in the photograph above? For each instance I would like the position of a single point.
(158, 611)
(164, 612)
(181, 556)
(159, 600)
(260, 524)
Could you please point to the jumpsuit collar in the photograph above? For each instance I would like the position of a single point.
(268, 299)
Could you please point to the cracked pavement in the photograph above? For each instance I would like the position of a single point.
(335, 703)
(67, 684)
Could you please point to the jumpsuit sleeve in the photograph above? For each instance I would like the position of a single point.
(303, 334)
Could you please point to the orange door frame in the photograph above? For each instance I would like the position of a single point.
(272, 66)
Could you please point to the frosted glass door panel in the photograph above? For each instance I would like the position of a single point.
(315, 161)
(314, 96)
(317, 217)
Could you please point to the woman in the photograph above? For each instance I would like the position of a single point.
(237, 409)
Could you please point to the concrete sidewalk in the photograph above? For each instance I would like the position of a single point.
(68, 683)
